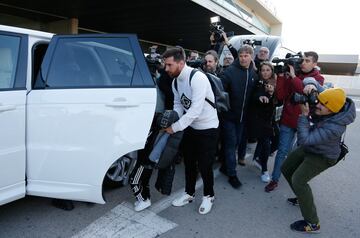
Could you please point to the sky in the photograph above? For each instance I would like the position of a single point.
(324, 26)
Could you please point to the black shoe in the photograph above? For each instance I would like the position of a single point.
(234, 182)
(222, 169)
(241, 162)
(293, 201)
(305, 227)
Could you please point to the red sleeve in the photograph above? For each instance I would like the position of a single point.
(297, 84)
(282, 89)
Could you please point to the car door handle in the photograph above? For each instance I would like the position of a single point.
(6, 108)
(121, 102)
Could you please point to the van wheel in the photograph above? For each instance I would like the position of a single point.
(119, 172)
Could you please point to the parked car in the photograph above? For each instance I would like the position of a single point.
(74, 109)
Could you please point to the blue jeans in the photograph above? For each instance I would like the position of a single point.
(233, 133)
(159, 147)
(286, 141)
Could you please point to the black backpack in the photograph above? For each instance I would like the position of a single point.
(222, 102)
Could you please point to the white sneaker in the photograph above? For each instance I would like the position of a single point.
(256, 163)
(183, 200)
(206, 204)
(141, 205)
(265, 177)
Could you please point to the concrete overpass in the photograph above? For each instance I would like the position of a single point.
(175, 22)
(339, 64)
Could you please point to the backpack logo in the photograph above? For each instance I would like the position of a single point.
(185, 101)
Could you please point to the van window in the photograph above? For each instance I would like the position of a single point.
(9, 52)
(91, 62)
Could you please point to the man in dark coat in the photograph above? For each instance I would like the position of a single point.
(239, 80)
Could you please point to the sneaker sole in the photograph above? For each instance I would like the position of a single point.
(294, 204)
(307, 232)
(176, 205)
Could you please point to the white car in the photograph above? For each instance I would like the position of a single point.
(74, 110)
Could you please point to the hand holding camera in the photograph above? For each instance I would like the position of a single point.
(305, 109)
(309, 88)
(291, 72)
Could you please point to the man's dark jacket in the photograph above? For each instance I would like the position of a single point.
(239, 83)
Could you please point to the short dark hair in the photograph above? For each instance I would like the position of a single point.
(177, 52)
(312, 54)
(214, 54)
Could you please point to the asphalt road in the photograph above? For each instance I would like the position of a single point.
(246, 212)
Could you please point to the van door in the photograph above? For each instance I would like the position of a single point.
(13, 62)
(93, 102)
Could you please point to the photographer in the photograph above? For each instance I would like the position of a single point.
(319, 137)
(287, 85)
(212, 63)
(194, 55)
(218, 40)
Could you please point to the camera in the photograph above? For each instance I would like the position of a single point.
(311, 98)
(294, 60)
(217, 29)
(153, 61)
(252, 43)
(198, 63)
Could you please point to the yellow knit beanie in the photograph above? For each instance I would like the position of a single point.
(333, 99)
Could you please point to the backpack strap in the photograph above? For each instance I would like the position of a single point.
(191, 75)
(190, 78)
(211, 103)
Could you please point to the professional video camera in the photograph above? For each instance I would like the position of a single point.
(217, 29)
(198, 63)
(252, 43)
(311, 98)
(153, 60)
(290, 59)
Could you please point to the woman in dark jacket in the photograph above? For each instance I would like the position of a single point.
(263, 104)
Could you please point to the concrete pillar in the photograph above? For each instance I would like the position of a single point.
(67, 26)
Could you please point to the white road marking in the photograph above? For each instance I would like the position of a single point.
(123, 221)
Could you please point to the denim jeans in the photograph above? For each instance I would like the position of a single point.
(286, 141)
(233, 133)
(159, 147)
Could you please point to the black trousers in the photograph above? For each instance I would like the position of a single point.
(199, 155)
(139, 181)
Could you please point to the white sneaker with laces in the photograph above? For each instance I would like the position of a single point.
(265, 177)
(141, 205)
(183, 200)
(206, 205)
